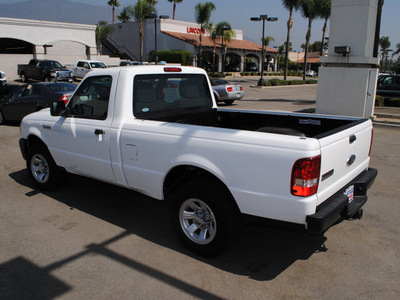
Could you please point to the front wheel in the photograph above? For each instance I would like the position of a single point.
(41, 168)
(2, 120)
(205, 217)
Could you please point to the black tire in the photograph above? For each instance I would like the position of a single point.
(204, 216)
(41, 168)
(23, 77)
(229, 102)
(2, 119)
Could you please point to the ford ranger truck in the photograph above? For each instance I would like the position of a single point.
(158, 130)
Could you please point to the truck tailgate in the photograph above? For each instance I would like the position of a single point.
(344, 155)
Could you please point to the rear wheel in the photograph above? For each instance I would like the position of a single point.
(41, 168)
(23, 77)
(205, 217)
(229, 102)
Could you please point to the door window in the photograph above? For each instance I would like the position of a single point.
(92, 98)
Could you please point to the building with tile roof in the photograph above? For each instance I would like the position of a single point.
(180, 35)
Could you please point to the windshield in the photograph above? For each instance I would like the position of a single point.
(98, 65)
(175, 93)
(62, 87)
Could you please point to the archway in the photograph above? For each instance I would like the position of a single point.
(252, 63)
(15, 46)
(232, 61)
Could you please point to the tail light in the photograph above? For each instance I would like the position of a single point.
(241, 88)
(64, 98)
(229, 89)
(305, 176)
(172, 69)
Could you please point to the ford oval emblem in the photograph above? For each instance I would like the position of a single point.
(351, 160)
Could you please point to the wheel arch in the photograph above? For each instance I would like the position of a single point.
(182, 174)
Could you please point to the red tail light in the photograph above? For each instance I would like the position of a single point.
(305, 176)
(229, 89)
(64, 98)
(241, 88)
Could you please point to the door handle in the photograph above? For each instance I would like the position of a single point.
(99, 131)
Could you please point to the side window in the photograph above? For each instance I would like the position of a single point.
(18, 92)
(91, 99)
(80, 64)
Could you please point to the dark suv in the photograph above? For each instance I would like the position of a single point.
(388, 86)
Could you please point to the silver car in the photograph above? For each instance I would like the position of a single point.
(2, 77)
(226, 92)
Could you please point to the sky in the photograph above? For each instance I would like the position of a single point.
(238, 13)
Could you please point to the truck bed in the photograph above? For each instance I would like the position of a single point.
(303, 125)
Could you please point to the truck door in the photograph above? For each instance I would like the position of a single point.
(80, 142)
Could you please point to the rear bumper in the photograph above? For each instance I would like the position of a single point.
(338, 207)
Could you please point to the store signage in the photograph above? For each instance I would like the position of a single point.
(195, 30)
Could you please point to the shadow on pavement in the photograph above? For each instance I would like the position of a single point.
(261, 253)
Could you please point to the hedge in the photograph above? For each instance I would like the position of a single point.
(391, 102)
(175, 56)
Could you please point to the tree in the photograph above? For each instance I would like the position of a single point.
(324, 12)
(310, 12)
(290, 5)
(397, 51)
(174, 9)
(268, 40)
(385, 44)
(202, 15)
(114, 4)
(102, 31)
(124, 16)
(139, 11)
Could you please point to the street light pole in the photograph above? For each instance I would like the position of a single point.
(263, 18)
(154, 16)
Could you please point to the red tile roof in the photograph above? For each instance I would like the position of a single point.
(194, 39)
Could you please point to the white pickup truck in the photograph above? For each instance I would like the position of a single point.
(158, 130)
(83, 67)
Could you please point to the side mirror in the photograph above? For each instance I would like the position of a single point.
(57, 108)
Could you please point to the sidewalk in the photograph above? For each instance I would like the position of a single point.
(387, 116)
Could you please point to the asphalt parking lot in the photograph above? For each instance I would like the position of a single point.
(90, 240)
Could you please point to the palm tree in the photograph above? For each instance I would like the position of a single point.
(175, 2)
(397, 51)
(202, 15)
(124, 16)
(289, 5)
(324, 12)
(102, 31)
(114, 4)
(268, 40)
(309, 11)
(139, 11)
(385, 44)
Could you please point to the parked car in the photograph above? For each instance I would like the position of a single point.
(388, 86)
(226, 92)
(124, 63)
(251, 67)
(25, 99)
(232, 68)
(3, 79)
(85, 66)
(44, 70)
(311, 73)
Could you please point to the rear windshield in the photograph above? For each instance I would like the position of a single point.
(62, 87)
(170, 94)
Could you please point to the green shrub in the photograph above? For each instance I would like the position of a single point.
(379, 101)
(267, 83)
(172, 56)
(311, 81)
(394, 102)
